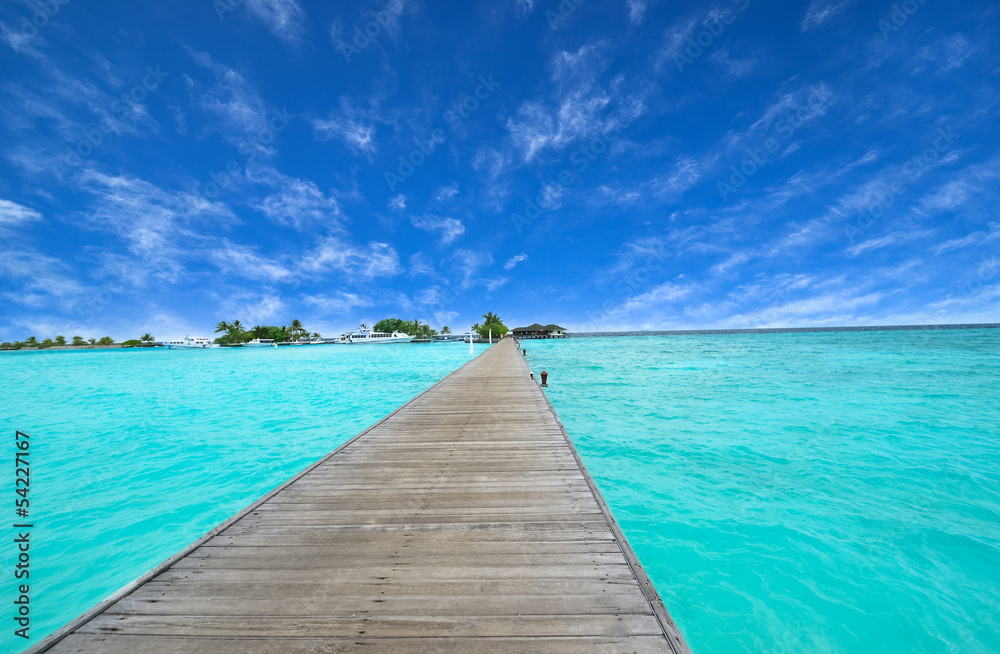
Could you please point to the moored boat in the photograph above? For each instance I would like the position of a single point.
(190, 343)
(364, 335)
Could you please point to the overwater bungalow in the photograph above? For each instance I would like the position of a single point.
(539, 331)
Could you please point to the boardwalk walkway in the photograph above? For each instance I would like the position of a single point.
(462, 522)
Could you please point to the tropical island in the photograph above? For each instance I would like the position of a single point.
(32, 343)
(234, 333)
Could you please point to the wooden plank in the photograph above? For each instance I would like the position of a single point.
(112, 644)
(333, 626)
(463, 521)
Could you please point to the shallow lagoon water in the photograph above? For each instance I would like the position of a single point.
(822, 492)
(800, 492)
(137, 453)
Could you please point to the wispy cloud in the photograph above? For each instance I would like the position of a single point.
(338, 303)
(285, 18)
(448, 229)
(636, 11)
(820, 11)
(514, 260)
(354, 125)
(12, 214)
(297, 203)
(583, 110)
(377, 259)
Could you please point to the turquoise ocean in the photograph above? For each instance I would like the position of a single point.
(790, 492)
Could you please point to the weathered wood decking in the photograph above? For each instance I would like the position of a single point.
(462, 522)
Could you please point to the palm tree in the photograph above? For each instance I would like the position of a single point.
(235, 327)
(489, 317)
(92, 341)
(296, 328)
(147, 338)
(445, 330)
(260, 331)
(60, 340)
(31, 340)
(223, 326)
(316, 335)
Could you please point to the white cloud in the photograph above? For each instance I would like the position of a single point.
(252, 307)
(420, 264)
(978, 237)
(338, 303)
(468, 263)
(820, 11)
(284, 18)
(354, 125)
(683, 176)
(298, 203)
(448, 229)
(524, 7)
(732, 262)
(246, 262)
(243, 116)
(733, 66)
(161, 228)
(655, 299)
(330, 255)
(888, 240)
(514, 260)
(398, 203)
(584, 110)
(636, 11)
(446, 193)
(12, 214)
(333, 254)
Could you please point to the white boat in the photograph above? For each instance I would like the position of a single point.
(364, 335)
(449, 338)
(260, 342)
(190, 343)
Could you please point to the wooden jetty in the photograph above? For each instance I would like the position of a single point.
(464, 521)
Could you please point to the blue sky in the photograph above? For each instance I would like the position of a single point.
(632, 164)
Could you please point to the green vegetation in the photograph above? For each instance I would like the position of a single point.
(78, 341)
(236, 334)
(411, 327)
(491, 324)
